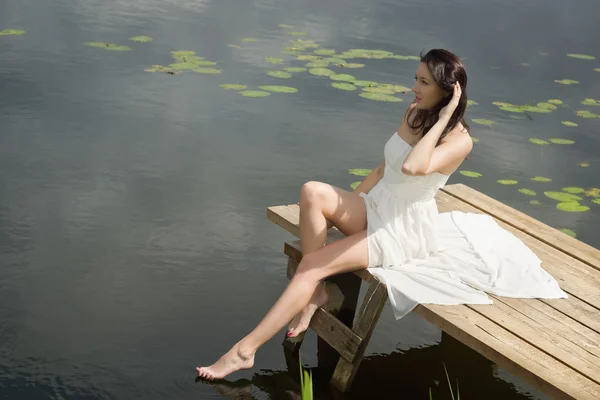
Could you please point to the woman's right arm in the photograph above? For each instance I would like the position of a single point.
(371, 179)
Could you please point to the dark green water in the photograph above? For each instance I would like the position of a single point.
(133, 238)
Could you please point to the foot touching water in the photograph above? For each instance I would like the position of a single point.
(234, 360)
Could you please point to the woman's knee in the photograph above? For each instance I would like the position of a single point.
(312, 192)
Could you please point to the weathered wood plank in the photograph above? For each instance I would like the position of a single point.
(547, 234)
(579, 310)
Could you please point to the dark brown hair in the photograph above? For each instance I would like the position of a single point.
(446, 68)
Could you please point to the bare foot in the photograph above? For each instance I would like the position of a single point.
(232, 361)
(300, 323)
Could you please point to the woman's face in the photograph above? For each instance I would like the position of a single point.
(427, 92)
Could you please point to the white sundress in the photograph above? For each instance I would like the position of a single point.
(449, 258)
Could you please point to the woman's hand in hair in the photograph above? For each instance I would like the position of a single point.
(447, 111)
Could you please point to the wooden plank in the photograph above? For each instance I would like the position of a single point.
(577, 310)
(547, 234)
(509, 351)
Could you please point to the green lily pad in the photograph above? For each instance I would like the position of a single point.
(541, 179)
(378, 89)
(507, 182)
(569, 123)
(561, 141)
(232, 86)
(502, 104)
(486, 122)
(182, 53)
(527, 192)
(474, 139)
(566, 81)
(365, 83)
(572, 206)
(343, 86)
(324, 52)
(537, 109)
(317, 64)
(596, 201)
(591, 102)
(108, 46)
(538, 141)
(202, 62)
(535, 202)
(562, 196)
(183, 66)
(592, 192)
(158, 68)
(581, 56)
(584, 164)
(471, 174)
(294, 69)
(379, 97)
(472, 103)
(350, 65)
(573, 190)
(254, 93)
(555, 101)
(342, 77)
(586, 114)
(548, 106)
(12, 32)
(297, 33)
(212, 71)
(568, 232)
(279, 74)
(249, 40)
(321, 71)
(279, 89)
(307, 57)
(360, 171)
(354, 185)
(395, 88)
(141, 39)
(333, 60)
(366, 53)
(274, 60)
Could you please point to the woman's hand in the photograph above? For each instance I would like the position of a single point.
(447, 111)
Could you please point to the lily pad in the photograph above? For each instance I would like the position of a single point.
(321, 71)
(324, 52)
(586, 114)
(183, 66)
(507, 182)
(395, 88)
(212, 71)
(307, 57)
(279, 74)
(141, 39)
(573, 190)
(379, 97)
(232, 86)
(472, 103)
(279, 89)
(354, 185)
(486, 122)
(596, 201)
(350, 65)
(584, 164)
(538, 141)
(597, 69)
(158, 68)
(555, 101)
(366, 53)
(12, 32)
(182, 53)
(541, 179)
(561, 141)
(108, 46)
(527, 192)
(294, 69)
(365, 83)
(343, 86)
(562, 196)
(360, 171)
(333, 60)
(297, 33)
(254, 93)
(545, 105)
(471, 174)
(568, 232)
(535, 202)
(378, 89)
(566, 81)
(592, 192)
(572, 206)
(342, 77)
(474, 139)
(274, 60)
(317, 64)
(591, 102)
(581, 56)
(569, 123)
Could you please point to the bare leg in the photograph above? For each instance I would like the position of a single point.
(345, 255)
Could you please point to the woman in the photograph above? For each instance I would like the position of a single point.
(390, 221)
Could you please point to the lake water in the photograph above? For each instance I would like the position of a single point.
(133, 238)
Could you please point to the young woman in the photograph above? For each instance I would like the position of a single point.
(391, 220)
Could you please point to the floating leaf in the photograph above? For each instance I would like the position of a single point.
(365, 83)
(182, 66)
(324, 52)
(317, 64)
(502, 104)
(584, 164)
(548, 106)
(279, 74)
(333, 60)
(535, 202)
(182, 53)
(395, 88)
(12, 32)
(538, 141)
(158, 68)
(471, 174)
(568, 232)
(507, 182)
(350, 65)
(354, 185)
(274, 60)
(378, 89)
(321, 71)
(572, 206)
(307, 57)
(360, 171)
(474, 139)
(590, 102)
(343, 86)
(249, 40)
(108, 46)
(555, 101)
(365, 53)
(562, 196)
(586, 114)
(573, 190)
(596, 201)
(294, 69)
(342, 77)
(592, 192)
(561, 141)
(581, 56)
(568, 123)
(279, 89)
(541, 179)
(141, 39)
(297, 33)
(483, 121)
(597, 69)
(566, 81)
(379, 97)
(232, 86)
(472, 103)
(254, 93)
(207, 70)
(527, 192)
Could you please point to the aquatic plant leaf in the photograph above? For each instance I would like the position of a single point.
(566, 81)
(527, 192)
(343, 86)
(141, 39)
(571, 206)
(568, 123)
(379, 97)
(317, 64)
(351, 65)
(274, 60)
(581, 56)
(96, 44)
(561, 141)
(471, 174)
(182, 53)
(555, 101)
(158, 68)
(295, 69)
(537, 109)
(183, 66)
(502, 104)
(512, 109)
(108, 46)
(541, 179)
(365, 83)
(584, 164)
(474, 139)
(279, 74)
(254, 93)
(535, 202)
(538, 141)
(592, 192)
(548, 106)
(596, 201)
(203, 63)
(568, 232)
(395, 88)
(249, 40)
(212, 71)
(297, 33)
(378, 89)
(507, 182)
(342, 77)
(354, 185)
(416, 58)
(333, 60)
(360, 171)
(232, 86)
(486, 122)
(324, 52)
(321, 72)
(399, 57)
(307, 57)
(12, 32)
(590, 102)
(279, 89)
(586, 114)
(597, 69)
(562, 196)
(472, 103)
(573, 190)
